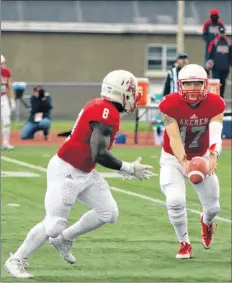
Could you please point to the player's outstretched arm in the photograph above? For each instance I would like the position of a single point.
(100, 141)
(176, 144)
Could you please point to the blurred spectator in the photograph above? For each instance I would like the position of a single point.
(171, 84)
(158, 127)
(219, 59)
(211, 29)
(40, 115)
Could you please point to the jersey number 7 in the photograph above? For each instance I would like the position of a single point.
(198, 130)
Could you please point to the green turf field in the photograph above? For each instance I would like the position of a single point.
(141, 246)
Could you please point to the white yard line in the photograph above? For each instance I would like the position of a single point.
(10, 174)
(29, 165)
(15, 161)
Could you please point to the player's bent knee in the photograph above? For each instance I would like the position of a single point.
(110, 215)
(54, 226)
(175, 201)
(113, 216)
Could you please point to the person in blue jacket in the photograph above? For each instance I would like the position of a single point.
(40, 114)
(219, 58)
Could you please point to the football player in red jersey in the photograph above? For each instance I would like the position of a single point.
(71, 176)
(193, 126)
(6, 107)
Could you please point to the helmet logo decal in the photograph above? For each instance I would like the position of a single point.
(131, 86)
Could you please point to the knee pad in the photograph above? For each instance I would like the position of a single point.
(109, 215)
(113, 216)
(176, 209)
(54, 226)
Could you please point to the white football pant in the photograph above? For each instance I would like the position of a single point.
(5, 119)
(172, 183)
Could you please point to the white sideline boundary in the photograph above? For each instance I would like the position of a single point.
(130, 193)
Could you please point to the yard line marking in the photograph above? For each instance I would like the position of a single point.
(15, 161)
(10, 174)
(163, 203)
(113, 188)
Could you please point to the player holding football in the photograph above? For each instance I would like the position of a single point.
(71, 175)
(6, 107)
(193, 126)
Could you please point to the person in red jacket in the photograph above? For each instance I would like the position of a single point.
(211, 29)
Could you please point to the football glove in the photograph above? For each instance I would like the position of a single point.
(136, 170)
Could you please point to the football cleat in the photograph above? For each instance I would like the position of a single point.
(207, 232)
(7, 147)
(185, 251)
(16, 268)
(63, 246)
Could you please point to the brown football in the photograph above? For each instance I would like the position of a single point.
(197, 170)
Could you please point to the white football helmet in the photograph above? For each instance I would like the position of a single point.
(122, 87)
(3, 60)
(193, 73)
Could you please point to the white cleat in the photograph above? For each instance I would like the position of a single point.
(63, 246)
(16, 268)
(7, 146)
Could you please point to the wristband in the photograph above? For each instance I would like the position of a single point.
(126, 166)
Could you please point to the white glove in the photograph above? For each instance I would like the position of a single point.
(136, 170)
(12, 104)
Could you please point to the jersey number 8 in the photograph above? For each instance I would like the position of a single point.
(105, 113)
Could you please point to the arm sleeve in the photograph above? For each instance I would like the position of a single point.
(211, 50)
(49, 102)
(34, 105)
(167, 86)
(205, 31)
(8, 73)
(230, 55)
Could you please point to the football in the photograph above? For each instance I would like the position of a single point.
(197, 170)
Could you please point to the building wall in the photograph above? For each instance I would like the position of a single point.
(82, 57)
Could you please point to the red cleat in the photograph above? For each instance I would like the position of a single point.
(185, 251)
(207, 232)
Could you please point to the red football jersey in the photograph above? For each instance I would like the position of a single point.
(76, 150)
(5, 76)
(193, 122)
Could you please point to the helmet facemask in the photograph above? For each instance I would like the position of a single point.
(193, 90)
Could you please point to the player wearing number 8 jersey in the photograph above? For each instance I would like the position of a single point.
(71, 176)
(193, 126)
(77, 144)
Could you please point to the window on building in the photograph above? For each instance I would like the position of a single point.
(160, 57)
